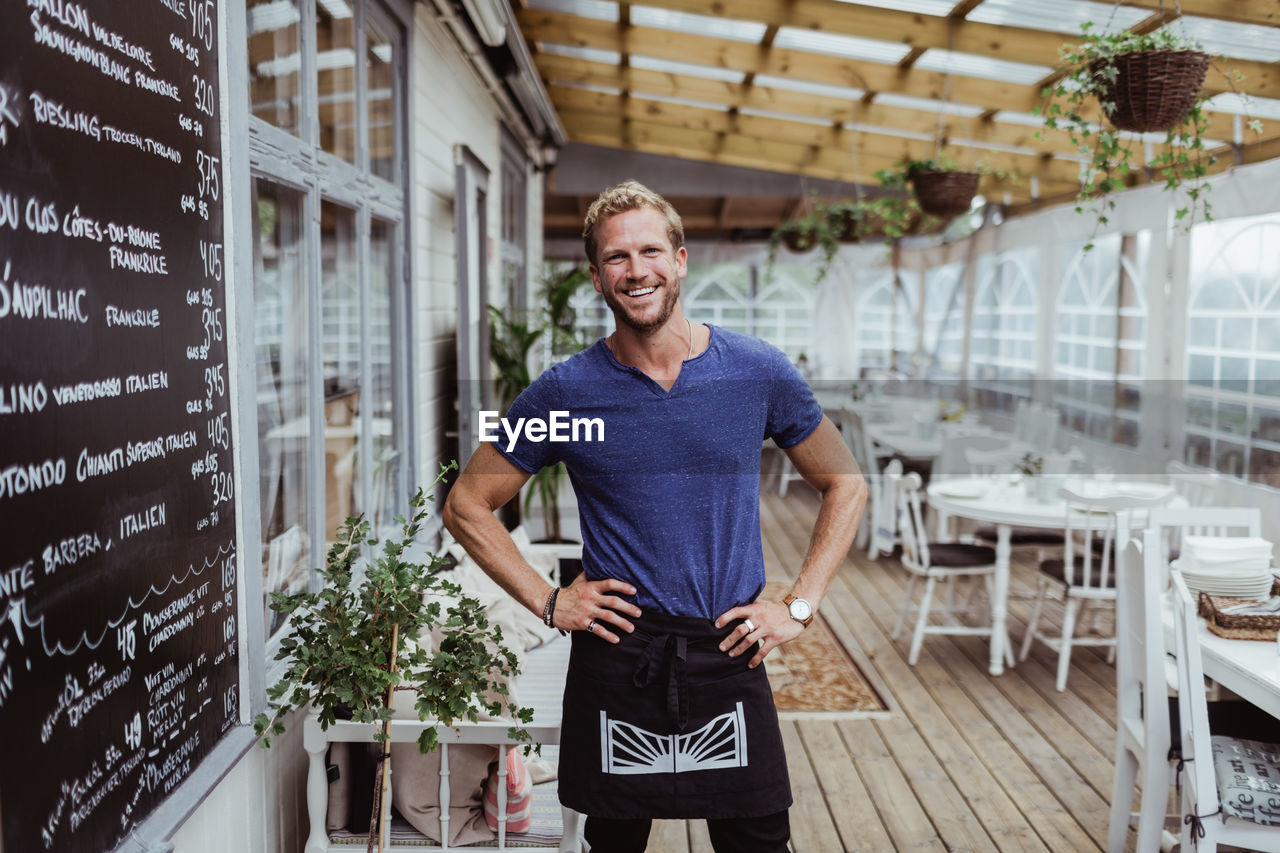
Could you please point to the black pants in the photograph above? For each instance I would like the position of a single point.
(767, 834)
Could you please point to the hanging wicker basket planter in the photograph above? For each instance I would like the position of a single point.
(800, 241)
(945, 193)
(1153, 90)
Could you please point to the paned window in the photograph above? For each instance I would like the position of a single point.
(1233, 349)
(1002, 359)
(329, 277)
(1098, 343)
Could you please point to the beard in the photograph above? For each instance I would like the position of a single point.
(623, 317)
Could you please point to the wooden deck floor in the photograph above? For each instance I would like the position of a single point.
(965, 761)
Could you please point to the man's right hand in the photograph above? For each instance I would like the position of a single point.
(591, 606)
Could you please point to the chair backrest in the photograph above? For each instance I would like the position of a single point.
(855, 437)
(1198, 485)
(956, 443)
(1001, 460)
(1022, 422)
(1099, 520)
(884, 512)
(1140, 649)
(915, 543)
(1171, 525)
(1193, 707)
(1041, 429)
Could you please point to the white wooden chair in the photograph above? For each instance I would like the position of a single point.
(883, 512)
(1144, 667)
(880, 517)
(1142, 711)
(1209, 820)
(1174, 524)
(932, 562)
(1084, 575)
(1198, 485)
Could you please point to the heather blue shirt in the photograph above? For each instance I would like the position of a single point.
(670, 499)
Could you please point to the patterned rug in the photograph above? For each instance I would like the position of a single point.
(815, 676)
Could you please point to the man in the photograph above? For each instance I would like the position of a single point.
(667, 713)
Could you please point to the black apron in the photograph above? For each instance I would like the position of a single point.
(665, 725)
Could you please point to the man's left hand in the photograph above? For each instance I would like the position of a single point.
(766, 625)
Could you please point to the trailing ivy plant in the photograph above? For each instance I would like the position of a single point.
(1112, 155)
(364, 636)
(829, 225)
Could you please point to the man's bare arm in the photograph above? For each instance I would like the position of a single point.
(823, 459)
(489, 481)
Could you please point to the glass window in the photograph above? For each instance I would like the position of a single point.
(327, 278)
(1002, 358)
(336, 78)
(1232, 319)
(1101, 316)
(282, 344)
(388, 496)
(380, 63)
(340, 342)
(275, 62)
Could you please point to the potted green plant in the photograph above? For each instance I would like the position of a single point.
(351, 645)
(1141, 82)
(562, 339)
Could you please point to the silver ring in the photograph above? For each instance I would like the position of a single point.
(751, 626)
(591, 626)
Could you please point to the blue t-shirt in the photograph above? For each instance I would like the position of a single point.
(669, 500)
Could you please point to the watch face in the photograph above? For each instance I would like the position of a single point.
(800, 610)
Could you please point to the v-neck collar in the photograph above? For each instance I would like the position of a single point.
(653, 385)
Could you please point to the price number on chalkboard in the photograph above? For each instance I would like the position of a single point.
(207, 170)
(211, 257)
(223, 487)
(203, 95)
(219, 433)
(230, 702)
(133, 731)
(202, 23)
(127, 640)
(212, 320)
(214, 383)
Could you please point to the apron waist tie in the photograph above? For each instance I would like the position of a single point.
(673, 649)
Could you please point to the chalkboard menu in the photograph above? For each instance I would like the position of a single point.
(118, 634)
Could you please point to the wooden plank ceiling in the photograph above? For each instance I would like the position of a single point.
(746, 97)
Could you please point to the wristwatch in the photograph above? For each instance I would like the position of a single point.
(800, 610)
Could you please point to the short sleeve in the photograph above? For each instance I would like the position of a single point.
(537, 401)
(793, 412)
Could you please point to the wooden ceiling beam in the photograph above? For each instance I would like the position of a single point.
(1017, 44)
(1261, 79)
(636, 110)
(833, 155)
(558, 28)
(1263, 12)
(557, 69)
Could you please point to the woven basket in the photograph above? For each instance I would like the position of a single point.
(1237, 626)
(800, 241)
(1153, 90)
(945, 193)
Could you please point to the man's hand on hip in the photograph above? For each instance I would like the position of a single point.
(765, 626)
(591, 606)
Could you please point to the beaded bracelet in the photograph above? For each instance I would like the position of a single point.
(549, 609)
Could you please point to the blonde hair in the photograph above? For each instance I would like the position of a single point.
(629, 195)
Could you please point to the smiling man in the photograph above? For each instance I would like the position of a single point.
(667, 710)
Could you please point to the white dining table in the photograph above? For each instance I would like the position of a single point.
(1004, 503)
(1249, 668)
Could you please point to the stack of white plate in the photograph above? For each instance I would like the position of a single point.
(1237, 566)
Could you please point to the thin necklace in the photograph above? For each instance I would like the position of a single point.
(690, 355)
